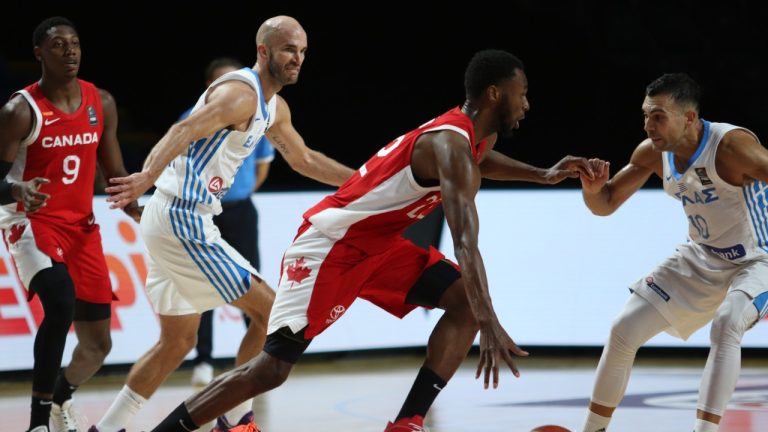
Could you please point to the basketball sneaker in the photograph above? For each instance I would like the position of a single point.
(415, 423)
(64, 418)
(223, 425)
(250, 427)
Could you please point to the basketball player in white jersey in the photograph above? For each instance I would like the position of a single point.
(351, 246)
(719, 173)
(191, 268)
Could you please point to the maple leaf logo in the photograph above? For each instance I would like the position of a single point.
(297, 272)
(16, 232)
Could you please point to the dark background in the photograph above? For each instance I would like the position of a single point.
(376, 70)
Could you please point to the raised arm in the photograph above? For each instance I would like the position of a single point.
(302, 159)
(109, 154)
(459, 182)
(229, 104)
(16, 123)
(604, 196)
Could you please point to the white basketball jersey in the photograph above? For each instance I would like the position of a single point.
(204, 173)
(730, 221)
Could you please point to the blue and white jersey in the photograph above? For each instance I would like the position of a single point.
(730, 221)
(204, 173)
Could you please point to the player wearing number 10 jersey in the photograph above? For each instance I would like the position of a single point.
(719, 173)
(52, 133)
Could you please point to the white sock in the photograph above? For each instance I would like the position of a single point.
(235, 414)
(705, 426)
(121, 412)
(595, 422)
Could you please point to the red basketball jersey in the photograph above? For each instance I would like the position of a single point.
(383, 198)
(63, 148)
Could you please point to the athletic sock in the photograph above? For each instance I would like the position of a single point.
(705, 426)
(425, 389)
(596, 422)
(123, 409)
(63, 390)
(41, 412)
(177, 421)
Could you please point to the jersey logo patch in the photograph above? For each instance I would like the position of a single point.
(702, 173)
(729, 253)
(51, 121)
(652, 285)
(336, 313)
(215, 185)
(93, 119)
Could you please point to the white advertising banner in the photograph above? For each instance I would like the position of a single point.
(558, 275)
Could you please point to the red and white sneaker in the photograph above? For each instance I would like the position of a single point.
(250, 427)
(246, 422)
(415, 423)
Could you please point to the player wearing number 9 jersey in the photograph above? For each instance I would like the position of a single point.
(719, 173)
(52, 133)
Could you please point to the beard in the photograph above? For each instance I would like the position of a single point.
(506, 126)
(279, 73)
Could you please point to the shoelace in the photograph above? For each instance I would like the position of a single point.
(68, 419)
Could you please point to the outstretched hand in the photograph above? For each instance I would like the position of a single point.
(126, 190)
(29, 195)
(601, 169)
(495, 345)
(569, 167)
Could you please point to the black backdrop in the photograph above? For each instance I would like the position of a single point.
(375, 70)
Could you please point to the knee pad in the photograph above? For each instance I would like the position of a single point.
(286, 345)
(56, 291)
(734, 317)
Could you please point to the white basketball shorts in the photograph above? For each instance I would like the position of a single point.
(191, 268)
(689, 286)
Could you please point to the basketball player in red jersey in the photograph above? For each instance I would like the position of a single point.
(52, 133)
(350, 246)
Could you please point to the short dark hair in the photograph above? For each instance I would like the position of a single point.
(489, 67)
(218, 63)
(679, 86)
(41, 31)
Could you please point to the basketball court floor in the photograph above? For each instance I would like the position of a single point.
(362, 393)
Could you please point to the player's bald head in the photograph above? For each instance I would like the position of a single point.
(274, 26)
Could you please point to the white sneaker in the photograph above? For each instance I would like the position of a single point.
(202, 374)
(64, 418)
(39, 429)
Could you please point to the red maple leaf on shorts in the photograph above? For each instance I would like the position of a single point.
(297, 272)
(16, 232)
